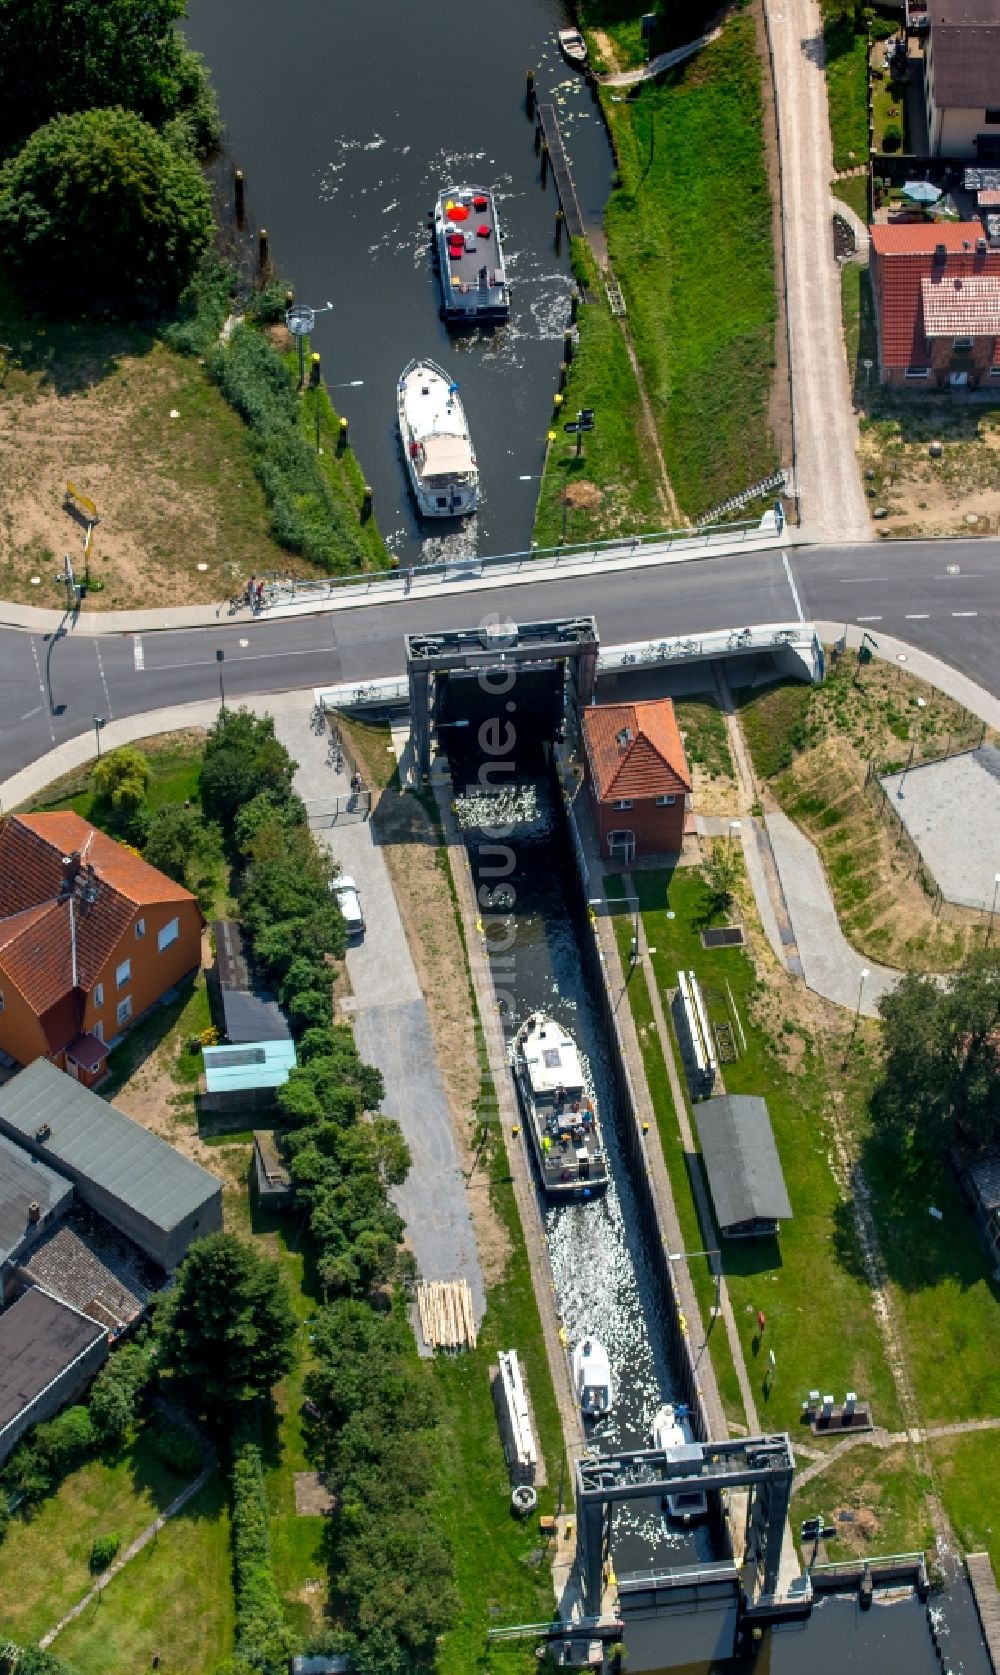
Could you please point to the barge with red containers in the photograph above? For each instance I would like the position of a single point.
(469, 256)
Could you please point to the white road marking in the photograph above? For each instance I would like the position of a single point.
(869, 619)
(916, 616)
(104, 681)
(252, 657)
(41, 688)
(851, 581)
(791, 583)
(138, 652)
(965, 613)
(29, 713)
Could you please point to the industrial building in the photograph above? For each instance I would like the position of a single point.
(159, 1199)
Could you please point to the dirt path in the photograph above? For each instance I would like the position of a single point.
(881, 1438)
(832, 502)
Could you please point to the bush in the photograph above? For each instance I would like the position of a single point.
(117, 1392)
(892, 138)
(121, 777)
(176, 1448)
(103, 1551)
(99, 211)
(261, 1636)
(306, 517)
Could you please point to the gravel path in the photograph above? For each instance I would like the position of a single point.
(832, 502)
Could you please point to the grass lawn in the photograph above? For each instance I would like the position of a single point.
(947, 1302)
(968, 1469)
(689, 232)
(175, 760)
(820, 1323)
(854, 192)
(48, 1553)
(613, 485)
(145, 433)
(703, 728)
(175, 1598)
(883, 1492)
(501, 1563)
(847, 91)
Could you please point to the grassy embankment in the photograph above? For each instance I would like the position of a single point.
(145, 432)
(690, 238)
(613, 484)
(847, 88)
(811, 745)
(799, 1280)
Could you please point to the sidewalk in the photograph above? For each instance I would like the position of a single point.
(469, 575)
(829, 964)
(391, 1026)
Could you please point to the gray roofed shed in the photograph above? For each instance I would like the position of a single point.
(250, 1017)
(26, 1182)
(145, 1188)
(742, 1164)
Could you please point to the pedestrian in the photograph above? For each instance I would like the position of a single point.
(409, 579)
(356, 784)
(761, 1321)
(250, 588)
(260, 596)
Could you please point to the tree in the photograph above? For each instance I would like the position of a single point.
(180, 843)
(121, 777)
(940, 1078)
(721, 874)
(33, 1661)
(226, 1330)
(243, 758)
(71, 55)
(100, 211)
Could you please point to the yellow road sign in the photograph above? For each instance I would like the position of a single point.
(81, 499)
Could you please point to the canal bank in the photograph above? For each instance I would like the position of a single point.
(345, 146)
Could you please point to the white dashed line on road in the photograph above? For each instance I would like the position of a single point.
(869, 619)
(965, 613)
(139, 654)
(104, 680)
(791, 583)
(916, 616)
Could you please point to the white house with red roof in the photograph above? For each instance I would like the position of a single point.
(638, 778)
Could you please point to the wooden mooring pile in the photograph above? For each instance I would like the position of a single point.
(447, 1319)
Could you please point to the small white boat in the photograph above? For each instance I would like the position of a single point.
(573, 47)
(437, 446)
(469, 255)
(672, 1434)
(592, 1378)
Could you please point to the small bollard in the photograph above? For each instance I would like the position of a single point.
(342, 437)
(314, 368)
(563, 369)
(568, 347)
(557, 401)
(560, 222)
(289, 298)
(529, 94)
(262, 249)
(367, 502)
(515, 1131)
(239, 194)
(574, 304)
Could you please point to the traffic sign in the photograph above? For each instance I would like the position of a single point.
(576, 425)
(586, 414)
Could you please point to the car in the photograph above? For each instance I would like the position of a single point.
(349, 901)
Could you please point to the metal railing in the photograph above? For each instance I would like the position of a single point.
(279, 590)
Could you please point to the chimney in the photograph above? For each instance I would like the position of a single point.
(980, 247)
(34, 1211)
(42, 1132)
(70, 868)
(940, 255)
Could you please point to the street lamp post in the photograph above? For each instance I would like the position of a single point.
(996, 887)
(714, 1256)
(220, 658)
(99, 722)
(300, 320)
(865, 974)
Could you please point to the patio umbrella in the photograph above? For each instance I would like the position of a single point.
(921, 192)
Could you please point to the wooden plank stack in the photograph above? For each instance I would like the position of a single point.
(447, 1320)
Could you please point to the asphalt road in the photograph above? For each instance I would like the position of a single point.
(51, 687)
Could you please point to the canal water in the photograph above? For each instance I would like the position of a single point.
(347, 120)
(600, 1255)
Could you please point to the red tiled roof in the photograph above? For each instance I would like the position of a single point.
(920, 238)
(903, 257)
(969, 307)
(635, 750)
(55, 941)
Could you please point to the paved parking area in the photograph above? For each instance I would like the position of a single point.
(951, 810)
(391, 1025)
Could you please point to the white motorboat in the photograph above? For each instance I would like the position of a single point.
(561, 1117)
(672, 1434)
(437, 446)
(469, 256)
(592, 1378)
(573, 47)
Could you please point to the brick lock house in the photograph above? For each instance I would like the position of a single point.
(638, 778)
(937, 299)
(91, 936)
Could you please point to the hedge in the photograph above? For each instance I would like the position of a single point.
(262, 1638)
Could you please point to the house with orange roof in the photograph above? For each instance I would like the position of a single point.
(937, 300)
(638, 778)
(91, 937)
